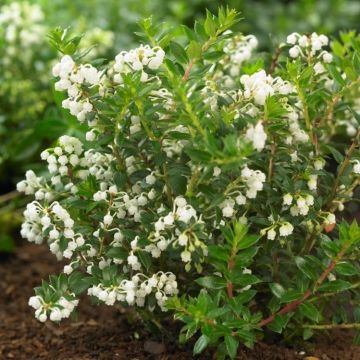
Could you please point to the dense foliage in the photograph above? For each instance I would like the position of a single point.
(205, 185)
(29, 117)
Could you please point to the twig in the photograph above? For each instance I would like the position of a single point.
(9, 196)
(188, 70)
(333, 326)
(271, 161)
(274, 60)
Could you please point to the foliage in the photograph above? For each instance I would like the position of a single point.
(203, 188)
(29, 117)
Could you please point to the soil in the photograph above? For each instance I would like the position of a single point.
(105, 333)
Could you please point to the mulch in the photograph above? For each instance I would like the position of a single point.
(102, 332)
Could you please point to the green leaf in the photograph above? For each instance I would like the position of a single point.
(336, 154)
(277, 290)
(356, 63)
(307, 334)
(247, 337)
(190, 330)
(179, 52)
(117, 253)
(88, 187)
(292, 295)
(188, 32)
(214, 313)
(218, 252)
(211, 282)
(273, 108)
(120, 179)
(245, 257)
(77, 282)
(335, 74)
(201, 343)
(213, 55)
(247, 241)
(310, 311)
(278, 324)
(305, 268)
(145, 259)
(210, 24)
(354, 233)
(231, 346)
(347, 269)
(198, 155)
(200, 31)
(330, 247)
(178, 184)
(244, 279)
(245, 296)
(335, 286)
(194, 50)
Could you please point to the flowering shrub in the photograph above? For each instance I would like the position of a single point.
(206, 187)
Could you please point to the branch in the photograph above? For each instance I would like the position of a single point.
(188, 69)
(333, 326)
(274, 60)
(271, 161)
(9, 196)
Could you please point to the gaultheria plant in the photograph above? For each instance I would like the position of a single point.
(208, 186)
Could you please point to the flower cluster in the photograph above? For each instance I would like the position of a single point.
(139, 59)
(259, 86)
(63, 158)
(257, 136)
(284, 228)
(55, 221)
(71, 79)
(134, 291)
(30, 184)
(302, 45)
(238, 49)
(62, 309)
(184, 224)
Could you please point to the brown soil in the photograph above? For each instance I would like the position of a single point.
(103, 332)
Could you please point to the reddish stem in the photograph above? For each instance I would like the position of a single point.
(274, 60)
(188, 69)
(230, 288)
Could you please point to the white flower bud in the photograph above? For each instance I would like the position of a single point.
(271, 234)
(108, 219)
(287, 199)
(68, 269)
(183, 239)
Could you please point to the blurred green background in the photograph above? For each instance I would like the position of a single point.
(30, 114)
